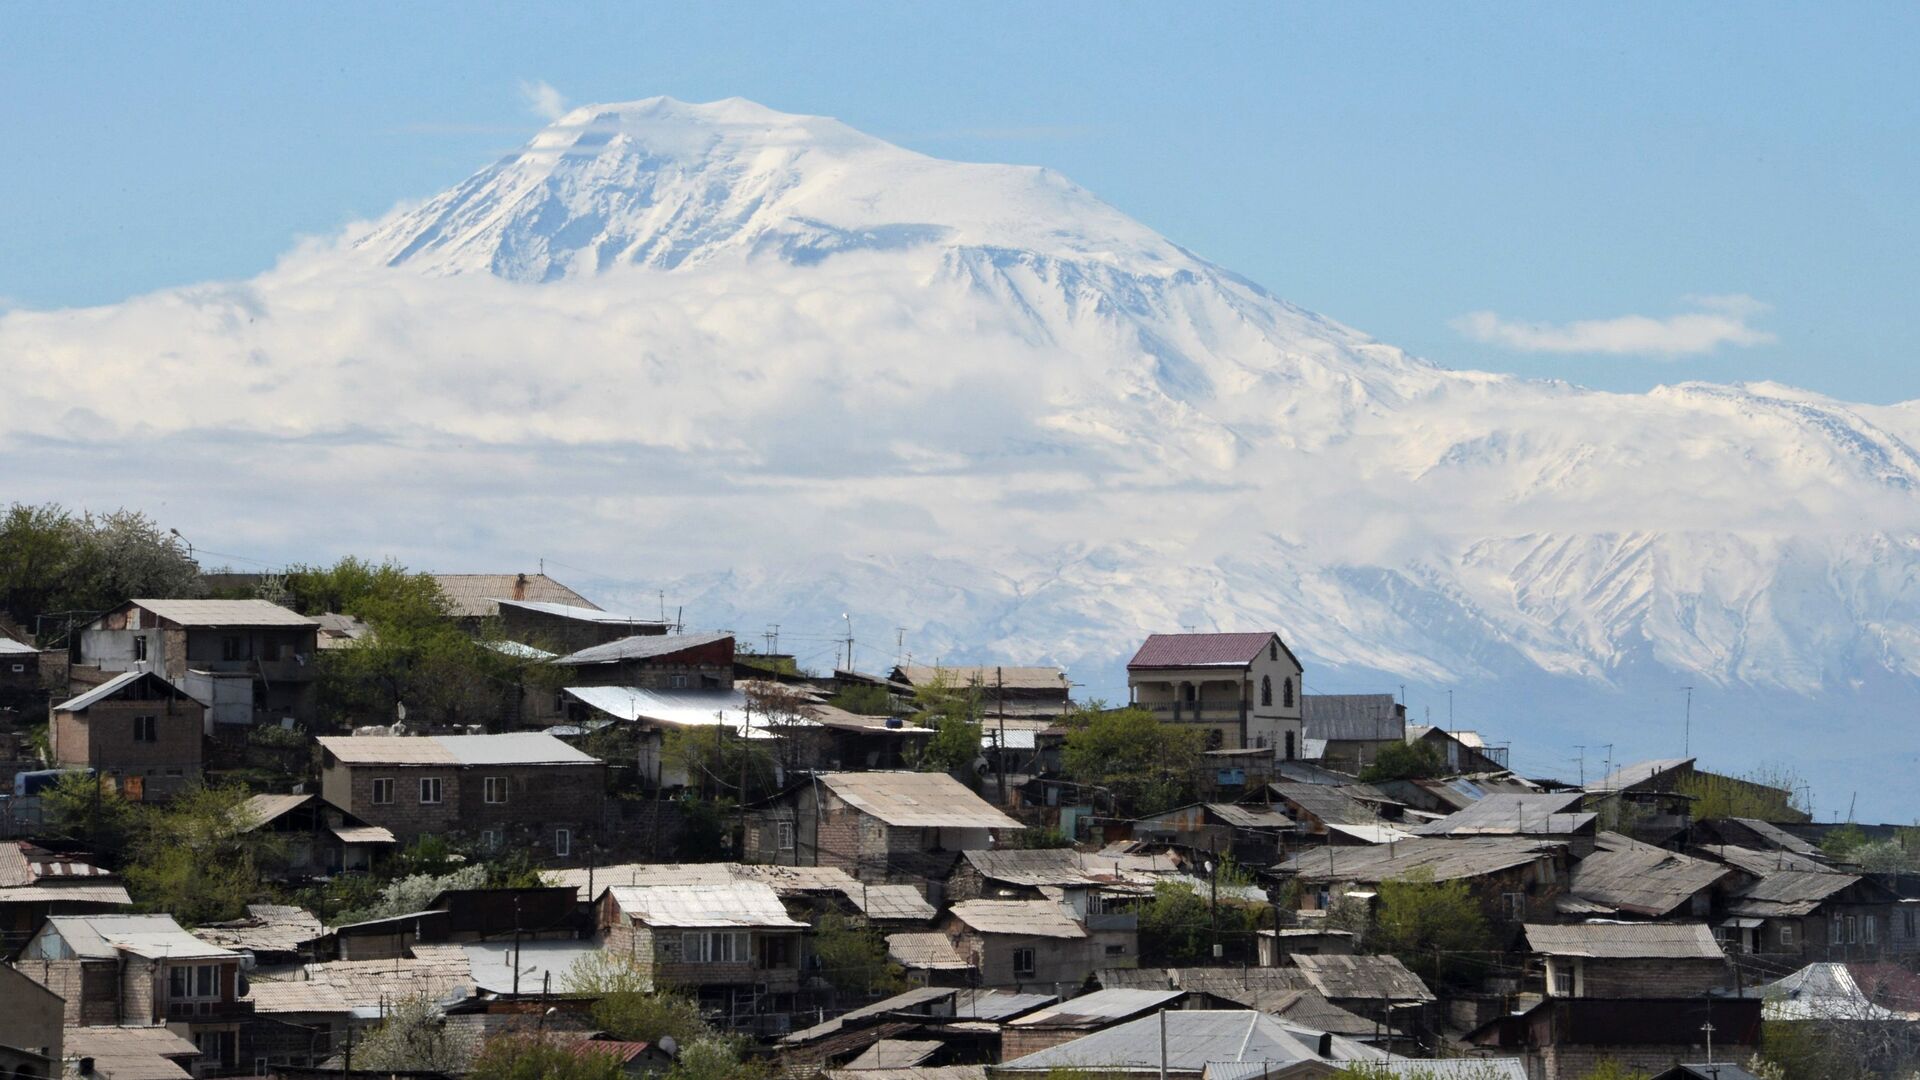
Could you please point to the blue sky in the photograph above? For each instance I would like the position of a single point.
(1749, 168)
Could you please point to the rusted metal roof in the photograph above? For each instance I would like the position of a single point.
(1626, 941)
(1249, 817)
(916, 799)
(1200, 650)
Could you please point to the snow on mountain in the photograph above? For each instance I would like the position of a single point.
(787, 370)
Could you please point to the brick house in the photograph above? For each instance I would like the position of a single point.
(1630, 960)
(318, 837)
(875, 825)
(140, 970)
(1241, 690)
(525, 790)
(36, 883)
(249, 660)
(734, 945)
(137, 728)
(1022, 944)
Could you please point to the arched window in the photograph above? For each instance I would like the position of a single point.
(1273, 649)
(1266, 689)
(1286, 692)
(1289, 746)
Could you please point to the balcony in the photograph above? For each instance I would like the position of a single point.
(1113, 920)
(208, 1011)
(1196, 712)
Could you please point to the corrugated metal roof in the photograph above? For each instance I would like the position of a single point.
(234, 613)
(1624, 875)
(1504, 813)
(1626, 941)
(10, 647)
(1789, 893)
(89, 1040)
(976, 1004)
(386, 749)
(544, 966)
(1199, 650)
(916, 799)
(363, 834)
(1099, 1008)
(578, 613)
(925, 952)
(113, 686)
(895, 1054)
(295, 997)
(1446, 858)
(1826, 991)
(682, 708)
(1323, 802)
(1194, 1037)
(508, 748)
(104, 937)
(469, 594)
(264, 809)
(1632, 776)
(1377, 833)
(1762, 863)
(640, 647)
(436, 972)
(741, 904)
(267, 928)
(1250, 817)
(1051, 866)
(1372, 977)
(1779, 837)
(915, 1072)
(907, 1001)
(985, 675)
(1352, 717)
(1028, 918)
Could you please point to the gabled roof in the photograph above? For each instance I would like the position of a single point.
(1027, 918)
(1194, 1038)
(916, 799)
(640, 647)
(1628, 777)
(470, 594)
(1789, 893)
(265, 809)
(1761, 863)
(926, 951)
(682, 708)
(1351, 717)
(1625, 875)
(105, 937)
(1504, 813)
(1249, 817)
(742, 905)
(1626, 941)
(1447, 859)
(224, 613)
(268, 928)
(113, 687)
(1204, 650)
(986, 675)
(10, 647)
(1375, 978)
(577, 613)
(1779, 837)
(1820, 992)
(1052, 866)
(1326, 803)
(508, 748)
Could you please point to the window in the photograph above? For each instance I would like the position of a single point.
(1286, 692)
(1273, 649)
(146, 729)
(383, 790)
(496, 789)
(1188, 692)
(490, 839)
(1023, 967)
(139, 648)
(1289, 746)
(197, 981)
(560, 701)
(1516, 904)
(783, 834)
(677, 682)
(1116, 950)
(1913, 924)
(1562, 982)
(259, 1066)
(563, 841)
(713, 948)
(1786, 934)
(18, 668)
(1853, 930)
(429, 789)
(1866, 930)
(1266, 689)
(233, 647)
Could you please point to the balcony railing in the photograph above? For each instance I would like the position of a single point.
(1113, 920)
(1196, 712)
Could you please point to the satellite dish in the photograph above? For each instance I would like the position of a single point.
(400, 709)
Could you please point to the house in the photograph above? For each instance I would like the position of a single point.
(875, 825)
(1335, 815)
(474, 598)
(1516, 879)
(1099, 895)
(139, 970)
(1194, 1042)
(568, 628)
(1801, 915)
(734, 945)
(808, 891)
(36, 883)
(1252, 835)
(20, 680)
(33, 1018)
(1242, 690)
(1080, 1016)
(317, 838)
(1630, 960)
(1378, 988)
(1022, 944)
(298, 1024)
(1644, 799)
(1283, 992)
(248, 660)
(272, 934)
(654, 662)
(733, 712)
(138, 729)
(139, 1052)
(1567, 1038)
(1821, 992)
(1460, 751)
(929, 958)
(1556, 816)
(1351, 729)
(1276, 945)
(1002, 690)
(526, 789)
(1624, 878)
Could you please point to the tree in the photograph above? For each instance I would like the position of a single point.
(853, 957)
(953, 712)
(705, 834)
(90, 809)
(1434, 927)
(1177, 927)
(716, 760)
(1840, 842)
(1883, 857)
(1609, 1069)
(53, 561)
(198, 857)
(517, 1057)
(626, 1008)
(411, 893)
(1768, 795)
(714, 1057)
(863, 700)
(1404, 761)
(1148, 766)
(414, 1037)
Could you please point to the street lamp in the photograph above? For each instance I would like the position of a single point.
(184, 540)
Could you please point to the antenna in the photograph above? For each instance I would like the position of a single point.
(849, 619)
(1583, 763)
(1686, 736)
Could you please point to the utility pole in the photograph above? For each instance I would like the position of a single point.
(849, 619)
(1686, 732)
(1000, 748)
(1583, 763)
(1163, 1045)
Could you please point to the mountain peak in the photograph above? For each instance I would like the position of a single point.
(665, 183)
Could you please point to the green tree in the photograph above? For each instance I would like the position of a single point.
(52, 560)
(1435, 927)
(853, 957)
(517, 1057)
(1609, 1069)
(1148, 766)
(716, 759)
(716, 1057)
(415, 1037)
(864, 700)
(1766, 795)
(1840, 842)
(1404, 761)
(953, 712)
(1177, 928)
(625, 1007)
(91, 810)
(706, 834)
(198, 857)
(412, 893)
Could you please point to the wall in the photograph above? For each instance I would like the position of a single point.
(556, 633)
(540, 799)
(102, 738)
(1649, 978)
(33, 1016)
(1572, 1062)
(1060, 964)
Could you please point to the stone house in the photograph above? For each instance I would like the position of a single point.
(1349, 730)
(36, 883)
(1241, 690)
(473, 599)
(1624, 878)
(139, 970)
(1033, 945)
(733, 945)
(526, 790)
(319, 838)
(1252, 835)
(1516, 879)
(249, 660)
(1095, 892)
(139, 729)
(1630, 960)
(874, 825)
(1806, 915)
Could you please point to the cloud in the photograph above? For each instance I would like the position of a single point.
(1715, 321)
(543, 100)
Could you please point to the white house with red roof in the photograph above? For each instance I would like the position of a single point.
(1242, 689)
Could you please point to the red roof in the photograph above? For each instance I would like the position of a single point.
(1198, 650)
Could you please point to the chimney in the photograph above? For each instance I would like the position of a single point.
(520, 587)
(1325, 1047)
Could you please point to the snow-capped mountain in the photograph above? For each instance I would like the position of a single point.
(785, 370)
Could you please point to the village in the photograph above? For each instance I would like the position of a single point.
(358, 822)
